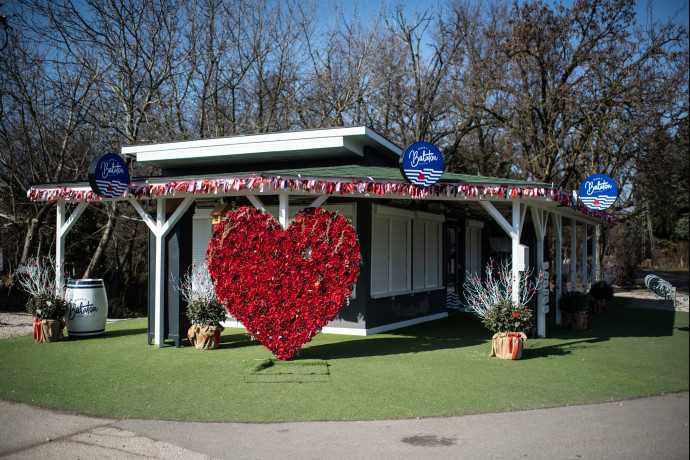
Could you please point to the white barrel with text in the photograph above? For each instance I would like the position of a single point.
(87, 308)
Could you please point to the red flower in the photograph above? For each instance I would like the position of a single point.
(263, 278)
(516, 314)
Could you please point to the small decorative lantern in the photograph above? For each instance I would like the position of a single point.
(219, 212)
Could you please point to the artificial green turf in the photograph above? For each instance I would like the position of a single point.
(293, 371)
(437, 368)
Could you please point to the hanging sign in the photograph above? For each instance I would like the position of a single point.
(108, 175)
(422, 164)
(598, 191)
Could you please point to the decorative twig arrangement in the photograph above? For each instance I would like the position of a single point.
(38, 278)
(497, 287)
(197, 285)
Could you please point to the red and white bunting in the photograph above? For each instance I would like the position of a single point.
(322, 186)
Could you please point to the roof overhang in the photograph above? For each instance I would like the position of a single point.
(265, 148)
(551, 199)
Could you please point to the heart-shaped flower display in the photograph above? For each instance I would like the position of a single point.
(283, 285)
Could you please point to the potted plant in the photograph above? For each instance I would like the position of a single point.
(203, 309)
(47, 302)
(601, 293)
(492, 300)
(509, 322)
(573, 305)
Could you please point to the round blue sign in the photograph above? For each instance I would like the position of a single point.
(422, 164)
(108, 175)
(598, 191)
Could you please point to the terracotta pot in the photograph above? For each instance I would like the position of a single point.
(577, 321)
(204, 337)
(508, 345)
(48, 330)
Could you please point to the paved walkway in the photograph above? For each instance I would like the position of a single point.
(653, 428)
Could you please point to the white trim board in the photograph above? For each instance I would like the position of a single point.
(306, 145)
(361, 332)
(384, 328)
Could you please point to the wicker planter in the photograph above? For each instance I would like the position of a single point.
(577, 321)
(48, 330)
(204, 337)
(508, 345)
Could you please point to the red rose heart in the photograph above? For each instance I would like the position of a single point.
(283, 285)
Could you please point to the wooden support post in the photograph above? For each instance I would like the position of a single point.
(585, 272)
(256, 202)
(283, 211)
(62, 229)
(513, 231)
(160, 228)
(595, 253)
(558, 260)
(573, 255)
(539, 217)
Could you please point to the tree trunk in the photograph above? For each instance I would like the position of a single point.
(98, 255)
(651, 231)
(35, 225)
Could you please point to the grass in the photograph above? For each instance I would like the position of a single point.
(277, 371)
(432, 369)
(675, 270)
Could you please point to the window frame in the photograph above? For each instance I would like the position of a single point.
(398, 216)
(427, 220)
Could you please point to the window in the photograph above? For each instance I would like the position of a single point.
(427, 251)
(201, 234)
(391, 251)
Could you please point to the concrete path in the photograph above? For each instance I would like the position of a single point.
(653, 428)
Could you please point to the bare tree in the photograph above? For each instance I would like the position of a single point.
(42, 137)
(428, 75)
(343, 72)
(129, 47)
(577, 81)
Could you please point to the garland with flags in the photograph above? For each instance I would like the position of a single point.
(263, 184)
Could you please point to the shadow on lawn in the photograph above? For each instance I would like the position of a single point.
(241, 340)
(560, 349)
(109, 334)
(620, 321)
(453, 332)
(464, 330)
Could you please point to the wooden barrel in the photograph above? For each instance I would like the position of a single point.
(87, 308)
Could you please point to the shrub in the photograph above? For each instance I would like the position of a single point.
(206, 312)
(573, 302)
(506, 316)
(197, 290)
(601, 290)
(46, 306)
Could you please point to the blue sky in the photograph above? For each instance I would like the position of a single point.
(663, 9)
(660, 9)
